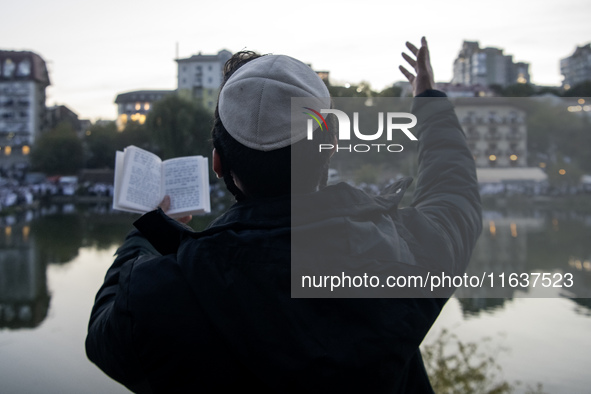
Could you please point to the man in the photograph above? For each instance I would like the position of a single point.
(211, 311)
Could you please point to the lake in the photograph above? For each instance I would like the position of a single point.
(53, 260)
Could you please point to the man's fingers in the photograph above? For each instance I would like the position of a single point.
(424, 45)
(422, 59)
(165, 204)
(412, 48)
(410, 60)
(185, 219)
(407, 74)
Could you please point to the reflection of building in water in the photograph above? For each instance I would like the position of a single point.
(496, 131)
(24, 298)
(502, 248)
(580, 291)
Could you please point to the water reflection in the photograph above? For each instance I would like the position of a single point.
(512, 242)
(59, 248)
(24, 299)
(31, 240)
(533, 241)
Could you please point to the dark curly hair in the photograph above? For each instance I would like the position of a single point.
(297, 168)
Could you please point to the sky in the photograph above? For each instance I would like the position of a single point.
(96, 50)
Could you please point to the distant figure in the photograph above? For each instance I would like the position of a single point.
(211, 311)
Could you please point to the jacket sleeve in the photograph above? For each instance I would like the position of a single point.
(109, 343)
(446, 200)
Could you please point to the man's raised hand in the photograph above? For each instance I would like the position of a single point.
(422, 66)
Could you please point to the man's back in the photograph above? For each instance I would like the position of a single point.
(182, 311)
(219, 315)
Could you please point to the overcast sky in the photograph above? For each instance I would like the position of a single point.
(96, 50)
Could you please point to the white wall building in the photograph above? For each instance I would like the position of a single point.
(200, 77)
(577, 67)
(496, 131)
(23, 79)
(135, 106)
(487, 66)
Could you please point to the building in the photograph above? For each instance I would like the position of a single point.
(134, 106)
(200, 77)
(62, 114)
(23, 79)
(487, 66)
(576, 68)
(496, 131)
(457, 90)
(324, 75)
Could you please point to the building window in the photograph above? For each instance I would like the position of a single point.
(492, 160)
(147, 106)
(9, 67)
(26, 150)
(24, 68)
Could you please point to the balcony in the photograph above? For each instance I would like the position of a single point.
(514, 136)
(492, 137)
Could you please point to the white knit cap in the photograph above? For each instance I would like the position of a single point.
(255, 103)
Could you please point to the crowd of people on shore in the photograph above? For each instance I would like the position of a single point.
(20, 188)
(27, 189)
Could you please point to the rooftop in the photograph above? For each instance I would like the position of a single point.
(26, 65)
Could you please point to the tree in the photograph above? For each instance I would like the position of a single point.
(519, 90)
(134, 133)
(392, 91)
(582, 89)
(101, 145)
(58, 152)
(180, 127)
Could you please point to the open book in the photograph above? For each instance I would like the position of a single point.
(142, 180)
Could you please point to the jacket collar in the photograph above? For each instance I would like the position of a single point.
(166, 234)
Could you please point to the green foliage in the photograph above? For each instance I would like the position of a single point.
(363, 89)
(180, 127)
(561, 173)
(392, 91)
(519, 90)
(103, 140)
(581, 90)
(467, 368)
(100, 145)
(58, 152)
(553, 133)
(134, 133)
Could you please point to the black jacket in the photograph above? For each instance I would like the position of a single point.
(212, 311)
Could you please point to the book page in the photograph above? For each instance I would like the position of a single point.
(140, 187)
(183, 182)
(119, 158)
